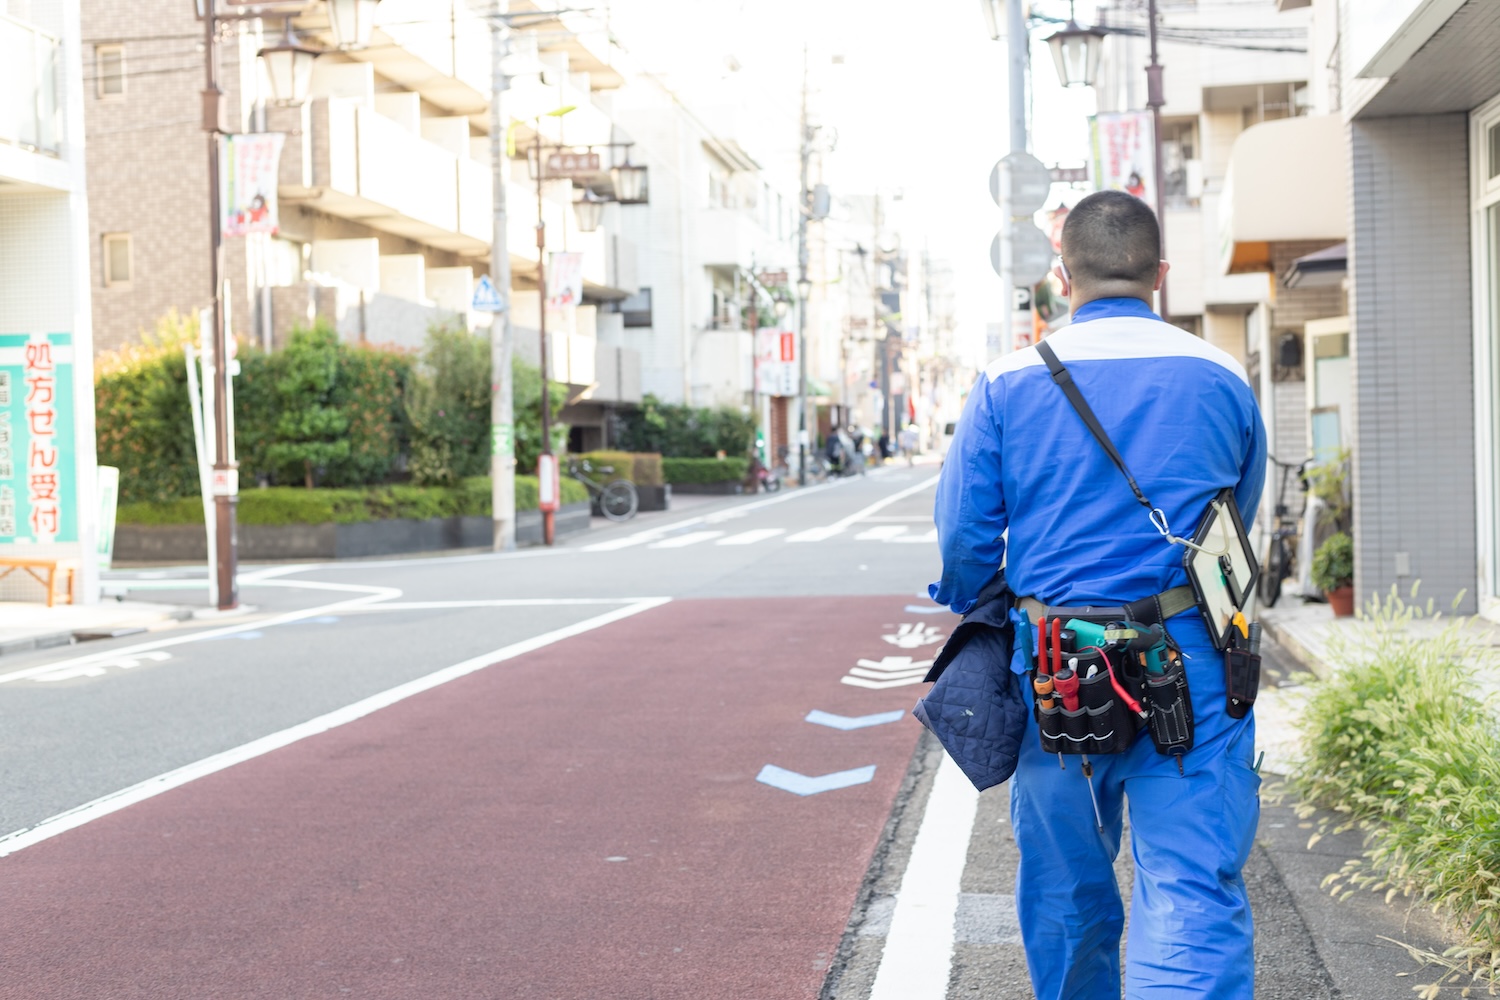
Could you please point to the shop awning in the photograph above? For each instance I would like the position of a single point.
(1288, 180)
(1326, 267)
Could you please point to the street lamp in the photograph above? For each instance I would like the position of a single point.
(1076, 52)
(630, 184)
(588, 209)
(289, 67)
(352, 22)
(804, 290)
(991, 12)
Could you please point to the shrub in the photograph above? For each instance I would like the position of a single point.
(620, 463)
(1333, 563)
(526, 396)
(678, 431)
(282, 505)
(704, 470)
(449, 408)
(310, 433)
(144, 427)
(648, 471)
(1398, 742)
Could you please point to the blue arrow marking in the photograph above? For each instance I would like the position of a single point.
(802, 784)
(847, 722)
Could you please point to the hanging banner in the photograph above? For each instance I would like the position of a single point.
(38, 480)
(776, 367)
(247, 183)
(1124, 148)
(564, 280)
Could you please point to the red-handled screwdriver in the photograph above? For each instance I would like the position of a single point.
(1066, 682)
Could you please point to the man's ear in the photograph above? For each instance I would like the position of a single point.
(1062, 275)
(1161, 276)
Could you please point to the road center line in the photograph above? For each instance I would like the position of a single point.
(152, 787)
(918, 952)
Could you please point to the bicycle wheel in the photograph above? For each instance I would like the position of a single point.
(619, 500)
(1273, 572)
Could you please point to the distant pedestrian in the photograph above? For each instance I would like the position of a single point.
(885, 447)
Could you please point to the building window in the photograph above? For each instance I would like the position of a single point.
(637, 309)
(1494, 145)
(109, 72)
(118, 267)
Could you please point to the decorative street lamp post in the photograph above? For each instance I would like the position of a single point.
(289, 67)
(352, 22)
(1076, 52)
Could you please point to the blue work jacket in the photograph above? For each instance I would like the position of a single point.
(1179, 410)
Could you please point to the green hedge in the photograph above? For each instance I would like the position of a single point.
(282, 505)
(648, 470)
(704, 470)
(685, 431)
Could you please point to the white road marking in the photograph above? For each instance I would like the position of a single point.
(751, 537)
(914, 635)
(653, 534)
(98, 669)
(874, 685)
(886, 675)
(819, 534)
(896, 664)
(918, 954)
(881, 533)
(640, 538)
(370, 595)
(929, 538)
(683, 541)
(903, 519)
(151, 787)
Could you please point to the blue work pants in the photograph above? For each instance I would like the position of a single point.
(1191, 833)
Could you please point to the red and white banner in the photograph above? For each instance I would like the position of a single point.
(1125, 154)
(564, 280)
(247, 183)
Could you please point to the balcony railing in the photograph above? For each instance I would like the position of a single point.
(28, 86)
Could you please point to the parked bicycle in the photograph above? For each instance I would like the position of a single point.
(616, 499)
(1281, 547)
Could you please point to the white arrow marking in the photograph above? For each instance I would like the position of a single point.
(803, 784)
(886, 675)
(879, 685)
(881, 533)
(895, 664)
(914, 636)
(848, 722)
(97, 668)
(919, 610)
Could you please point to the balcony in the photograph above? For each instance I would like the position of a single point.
(354, 163)
(28, 87)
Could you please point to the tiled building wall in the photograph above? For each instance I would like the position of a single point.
(1411, 317)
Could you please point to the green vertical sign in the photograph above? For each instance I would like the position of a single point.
(38, 452)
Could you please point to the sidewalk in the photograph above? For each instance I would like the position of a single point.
(26, 626)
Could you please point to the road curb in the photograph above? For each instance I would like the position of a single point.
(1294, 648)
(68, 637)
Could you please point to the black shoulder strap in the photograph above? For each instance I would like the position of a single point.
(1064, 380)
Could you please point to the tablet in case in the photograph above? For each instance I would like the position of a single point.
(1221, 566)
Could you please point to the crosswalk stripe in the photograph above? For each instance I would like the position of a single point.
(639, 538)
(750, 537)
(816, 534)
(683, 541)
(881, 533)
(929, 538)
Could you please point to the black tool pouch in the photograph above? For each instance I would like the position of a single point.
(1171, 709)
(1241, 680)
(1101, 724)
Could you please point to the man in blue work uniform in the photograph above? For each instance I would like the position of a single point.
(1182, 415)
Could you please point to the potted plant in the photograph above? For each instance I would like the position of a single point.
(1333, 572)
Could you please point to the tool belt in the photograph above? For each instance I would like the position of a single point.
(1100, 677)
(1153, 610)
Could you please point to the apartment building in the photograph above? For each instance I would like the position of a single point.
(1414, 90)
(49, 495)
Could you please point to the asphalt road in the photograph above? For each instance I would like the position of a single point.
(669, 759)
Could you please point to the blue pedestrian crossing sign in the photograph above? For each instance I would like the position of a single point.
(487, 296)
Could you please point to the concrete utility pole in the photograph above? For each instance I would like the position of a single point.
(225, 476)
(804, 202)
(1155, 98)
(1016, 43)
(502, 398)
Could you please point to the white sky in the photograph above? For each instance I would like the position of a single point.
(919, 104)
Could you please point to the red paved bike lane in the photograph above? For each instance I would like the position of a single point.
(580, 822)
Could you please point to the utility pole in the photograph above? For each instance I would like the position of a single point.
(804, 201)
(1016, 44)
(502, 395)
(1155, 98)
(225, 476)
(548, 518)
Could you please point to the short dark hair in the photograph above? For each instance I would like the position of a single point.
(1110, 237)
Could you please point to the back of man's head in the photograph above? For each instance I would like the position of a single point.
(1111, 244)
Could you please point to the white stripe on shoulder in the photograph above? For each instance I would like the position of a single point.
(1119, 337)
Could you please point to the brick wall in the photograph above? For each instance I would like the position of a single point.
(1412, 350)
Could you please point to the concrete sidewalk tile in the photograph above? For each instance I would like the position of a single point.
(26, 626)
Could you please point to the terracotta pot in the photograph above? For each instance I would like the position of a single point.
(1341, 601)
